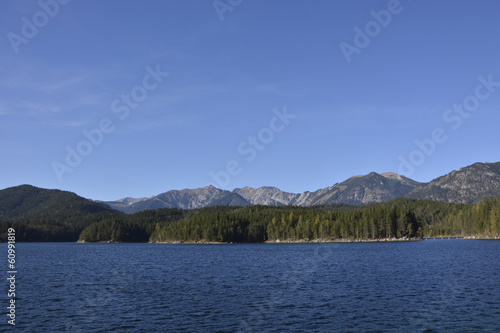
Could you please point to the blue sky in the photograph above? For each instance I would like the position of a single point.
(227, 82)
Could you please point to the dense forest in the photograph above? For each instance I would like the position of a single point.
(400, 218)
(131, 228)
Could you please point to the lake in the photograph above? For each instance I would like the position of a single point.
(425, 286)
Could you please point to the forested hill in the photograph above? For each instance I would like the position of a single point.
(48, 215)
(28, 201)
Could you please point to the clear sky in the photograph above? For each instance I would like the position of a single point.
(289, 93)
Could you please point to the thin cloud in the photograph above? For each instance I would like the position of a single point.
(66, 123)
(36, 108)
(172, 121)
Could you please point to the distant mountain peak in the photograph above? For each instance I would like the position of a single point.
(265, 195)
(184, 199)
(391, 175)
(129, 201)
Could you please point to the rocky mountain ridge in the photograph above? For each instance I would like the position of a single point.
(470, 184)
(186, 199)
(467, 185)
(357, 190)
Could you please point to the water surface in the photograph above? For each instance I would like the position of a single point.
(427, 286)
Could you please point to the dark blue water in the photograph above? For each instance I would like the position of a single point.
(428, 286)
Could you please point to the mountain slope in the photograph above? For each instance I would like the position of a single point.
(266, 195)
(470, 184)
(41, 215)
(122, 204)
(26, 201)
(360, 190)
(187, 199)
(357, 190)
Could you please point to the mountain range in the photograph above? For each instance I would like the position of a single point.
(470, 184)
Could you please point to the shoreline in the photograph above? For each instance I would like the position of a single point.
(308, 241)
(299, 241)
(347, 240)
